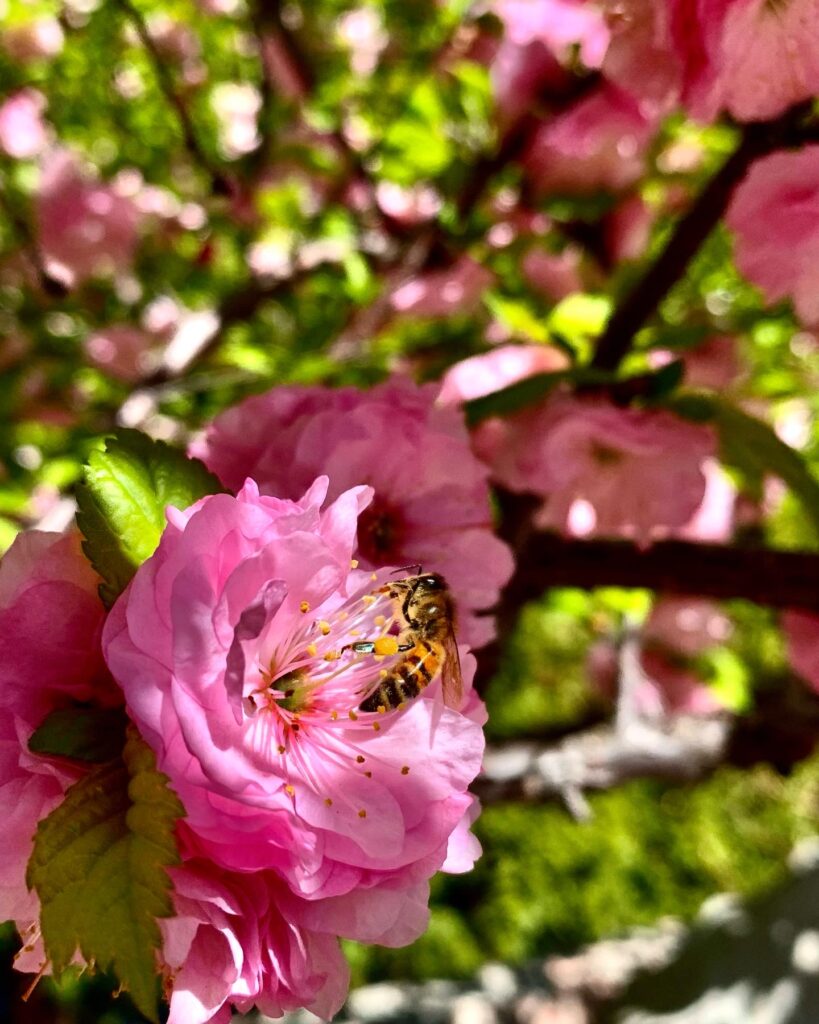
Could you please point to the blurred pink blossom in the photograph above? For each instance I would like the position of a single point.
(554, 275)
(598, 144)
(408, 205)
(431, 501)
(33, 40)
(602, 469)
(714, 521)
(519, 73)
(362, 31)
(640, 57)
(774, 215)
(84, 227)
(496, 369)
(628, 229)
(121, 350)
(234, 942)
(751, 58)
(559, 24)
(441, 293)
(22, 132)
(686, 625)
(236, 106)
(232, 647)
(801, 631)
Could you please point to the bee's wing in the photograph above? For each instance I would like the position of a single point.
(451, 680)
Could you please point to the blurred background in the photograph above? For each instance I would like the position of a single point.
(200, 200)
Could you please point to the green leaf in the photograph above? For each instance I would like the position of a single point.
(99, 865)
(753, 447)
(82, 733)
(515, 396)
(123, 498)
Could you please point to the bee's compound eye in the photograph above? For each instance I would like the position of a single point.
(432, 582)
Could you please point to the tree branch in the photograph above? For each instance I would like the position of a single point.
(781, 579)
(220, 184)
(757, 140)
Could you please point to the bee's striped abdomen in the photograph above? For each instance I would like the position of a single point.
(405, 680)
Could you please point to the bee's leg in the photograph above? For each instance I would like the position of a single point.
(362, 647)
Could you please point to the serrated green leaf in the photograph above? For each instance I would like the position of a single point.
(753, 447)
(122, 502)
(82, 733)
(98, 866)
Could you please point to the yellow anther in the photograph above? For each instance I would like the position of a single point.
(374, 578)
(382, 709)
(367, 600)
(362, 813)
(324, 626)
(312, 650)
(383, 673)
(333, 716)
(280, 749)
(304, 607)
(385, 645)
(289, 790)
(353, 563)
(332, 656)
(328, 801)
(379, 620)
(405, 770)
(343, 615)
(376, 726)
(401, 705)
(353, 716)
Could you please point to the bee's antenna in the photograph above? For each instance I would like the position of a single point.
(406, 568)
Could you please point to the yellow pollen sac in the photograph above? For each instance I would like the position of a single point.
(374, 578)
(353, 563)
(383, 673)
(367, 600)
(386, 645)
(401, 706)
(360, 758)
(376, 726)
(328, 801)
(289, 790)
(362, 813)
(353, 715)
(333, 716)
(343, 615)
(312, 650)
(382, 709)
(332, 656)
(304, 607)
(324, 626)
(405, 770)
(281, 749)
(379, 620)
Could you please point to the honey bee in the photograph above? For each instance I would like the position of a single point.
(427, 641)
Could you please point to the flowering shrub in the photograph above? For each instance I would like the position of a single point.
(453, 308)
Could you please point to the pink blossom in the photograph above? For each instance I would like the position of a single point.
(603, 469)
(714, 520)
(801, 631)
(232, 647)
(519, 74)
(50, 625)
(641, 57)
(84, 227)
(439, 293)
(555, 275)
(33, 40)
(481, 375)
(558, 24)
(749, 57)
(22, 132)
(774, 215)
(235, 941)
(628, 229)
(121, 350)
(407, 205)
(431, 501)
(598, 144)
(685, 625)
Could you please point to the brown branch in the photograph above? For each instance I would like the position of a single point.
(780, 579)
(220, 184)
(757, 140)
